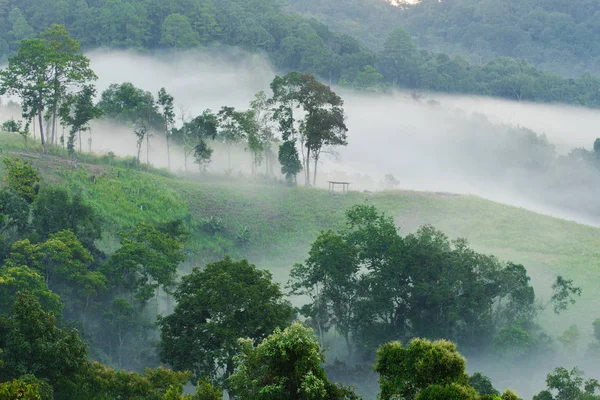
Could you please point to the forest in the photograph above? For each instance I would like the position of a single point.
(555, 36)
(97, 303)
(296, 43)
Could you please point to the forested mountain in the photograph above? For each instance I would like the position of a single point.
(557, 36)
(294, 42)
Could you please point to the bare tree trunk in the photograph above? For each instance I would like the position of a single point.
(315, 171)
(53, 125)
(42, 132)
(307, 167)
(168, 153)
(147, 148)
(79, 140)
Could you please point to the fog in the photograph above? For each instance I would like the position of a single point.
(433, 142)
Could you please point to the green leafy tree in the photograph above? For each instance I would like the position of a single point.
(63, 262)
(563, 384)
(231, 129)
(41, 73)
(178, 33)
(14, 219)
(482, 384)
(70, 70)
(57, 210)
(400, 59)
(146, 261)
(330, 277)
(563, 294)
(19, 389)
(32, 344)
(570, 338)
(193, 136)
(21, 178)
(263, 118)
(216, 306)
(76, 111)
(324, 124)
(167, 110)
(285, 365)
(134, 107)
(290, 161)
(20, 279)
(407, 371)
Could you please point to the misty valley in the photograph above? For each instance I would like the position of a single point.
(166, 231)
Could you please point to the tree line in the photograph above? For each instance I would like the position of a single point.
(55, 85)
(558, 37)
(296, 43)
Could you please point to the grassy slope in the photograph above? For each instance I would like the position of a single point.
(283, 221)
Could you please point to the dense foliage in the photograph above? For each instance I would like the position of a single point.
(373, 286)
(556, 36)
(296, 43)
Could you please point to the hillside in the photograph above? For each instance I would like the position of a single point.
(555, 36)
(274, 225)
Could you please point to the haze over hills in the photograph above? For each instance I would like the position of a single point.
(177, 150)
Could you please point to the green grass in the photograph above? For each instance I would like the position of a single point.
(284, 221)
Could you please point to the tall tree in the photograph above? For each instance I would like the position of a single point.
(77, 110)
(285, 365)
(43, 71)
(321, 122)
(215, 306)
(231, 129)
(167, 110)
(263, 117)
(134, 107)
(193, 136)
(324, 122)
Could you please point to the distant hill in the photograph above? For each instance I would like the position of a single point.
(556, 36)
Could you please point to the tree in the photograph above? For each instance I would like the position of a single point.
(32, 344)
(77, 111)
(400, 59)
(286, 103)
(324, 123)
(263, 117)
(482, 384)
(193, 136)
(373, 286)
(57, 210)
(177, 32)
(406, 371)
(167, 110)
(231, 129)
(563, 292)
(14, 219)
(41, 73)
(21, 178)
(330, 278)
(22, 279)
(569, 385)
(70, 70)
(146, 261)
(321, 125)
(64, 264)
(216, 306)
(133, 107)
(285, 365)
(290, 161)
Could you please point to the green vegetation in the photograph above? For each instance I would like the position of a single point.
(485, 31)
(555, 36)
